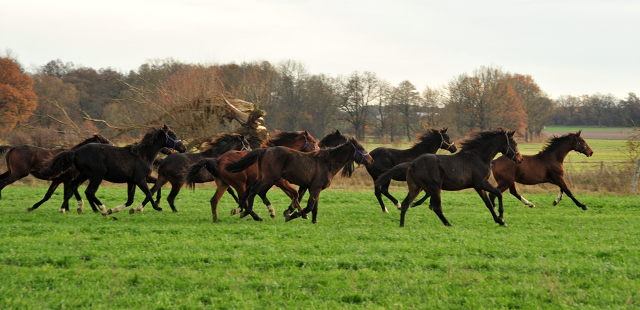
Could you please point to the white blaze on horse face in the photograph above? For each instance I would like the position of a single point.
(526, 202)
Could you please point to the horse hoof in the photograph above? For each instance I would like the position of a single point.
(105, 214)
(585, 208)
(304, 216)
(234, 212)
(110, 211)
(160, 209)
(399, 206)
(242, 215)
(272, 216)
(385, 210)
(132, 211)
(174, 210)
(503, 224)
(555, 203)
(532, 206)
(413, 204)
(29, 209)
(79, 211)
(447, 224)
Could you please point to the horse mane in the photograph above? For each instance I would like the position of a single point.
(90, 140)
(282, 137)
(139, 148)
(221, 140)
(477, 139)
(332, 138)
(426, 137)
(555, 142)
(254, 142)
(348, 168)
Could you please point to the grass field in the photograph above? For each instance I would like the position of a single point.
(355, 257)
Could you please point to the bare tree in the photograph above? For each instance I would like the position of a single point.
(357, 93)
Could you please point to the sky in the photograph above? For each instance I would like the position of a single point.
(569, 47)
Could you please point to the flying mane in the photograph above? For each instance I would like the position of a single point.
(477, 139)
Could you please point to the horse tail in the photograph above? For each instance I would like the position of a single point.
(246, 161)
(157, 163)
(59, 164)
(5, 149)
(393, 173)
(210, 164)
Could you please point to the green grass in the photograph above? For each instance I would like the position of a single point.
(355, 257)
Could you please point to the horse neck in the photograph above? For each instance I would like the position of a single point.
(430, 146)
(560, 153)
(339, 156)
(210, 152)
(83, 143)
(149, 152)
(486, 153)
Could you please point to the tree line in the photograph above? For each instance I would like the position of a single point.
(59, 101)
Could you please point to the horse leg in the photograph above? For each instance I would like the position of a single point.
(482, 191)
(90, 192)
(514, 192)
(250, 195)
(220, 190)
(265, 200)
(414, 191)
(385, 191)
(142, 184)
(311, 203)
(175, 189)
(70, 190)
(435, 204)
(233, 194)
(419, 202)
(378, 194)
(301, 191)
(314, 212)
(564, 188)
(557, 201)
(52, 188)
(10, 179)
(293, 194)
(131, 191)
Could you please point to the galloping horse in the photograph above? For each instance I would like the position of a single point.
(469, 168)
(300, 140)
(130, 164)
(544, 167)
(312, 170)
(387, 158)
(26, 159)
(174, 167)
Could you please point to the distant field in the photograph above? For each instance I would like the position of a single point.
(606, 133)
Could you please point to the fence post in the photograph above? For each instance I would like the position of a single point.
(635, 176)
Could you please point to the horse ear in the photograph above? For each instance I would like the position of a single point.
(444, 129)
(337, 131)
(510, 133)
(579, 132)
(165, 127)
(306, 133)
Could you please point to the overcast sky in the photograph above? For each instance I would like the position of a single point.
(569, 47)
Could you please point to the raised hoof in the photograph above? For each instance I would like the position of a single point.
(532, 206)
(555, 203)
(110, 211)
(243, 215)
(79, 211)
(272, 216)
(132, 211)
(29, 209)
(413, 204)
(385, 210)
(399, 206)
(304, 216)
(585, 208)
(160, 209)
(234, 212)
(503, 224)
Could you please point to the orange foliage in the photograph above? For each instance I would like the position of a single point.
(17, 98)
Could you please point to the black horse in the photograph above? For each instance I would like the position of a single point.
(23, 160)
(174, 167)
(386, 158)
(130, 164)
(469, 168)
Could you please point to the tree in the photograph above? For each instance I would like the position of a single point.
(630, 109)
(320, 101)
(537, 105)
(433, 99)
(357, 93)
(17, 98)
(406, 99)
(54, 94)
(288, 106)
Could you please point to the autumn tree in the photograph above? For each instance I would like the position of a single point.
(288, 110)
(357, 94)
(484, 100)
(17, 98)
(384, 110)
(630, 109)
(53, 96)
(537, 105)
(320, 101)
(433, 99)
(407, 99)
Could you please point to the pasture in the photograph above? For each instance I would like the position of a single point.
(354, 257)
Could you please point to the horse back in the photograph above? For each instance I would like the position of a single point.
(536, 169)
(462, 171)
(385, 159)
(114, 164)
(247, 176)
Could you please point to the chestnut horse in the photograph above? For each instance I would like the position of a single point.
(545, 167)
(130, 164)
(300, 140)
(314, 171)
(387, 158)
(26, 159)
(469, 168)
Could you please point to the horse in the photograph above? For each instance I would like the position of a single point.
(469, 168)
(173, 168)
(314, 171)
(544, 167)
(129, 164)
(387, 158)
(300, 140)
(26, 159)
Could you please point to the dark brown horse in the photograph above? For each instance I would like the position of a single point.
(130, 164)
(174, 167)
(300, 140)
(314, 171)
(469, 168)
(387, 158)
(545, 167)
(26, 159)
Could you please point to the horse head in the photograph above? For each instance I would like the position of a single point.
(581, 146)
(511, 148)
(446, 143)
(171, 140)
(310, 143)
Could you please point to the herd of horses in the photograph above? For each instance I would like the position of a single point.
(251, 167)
